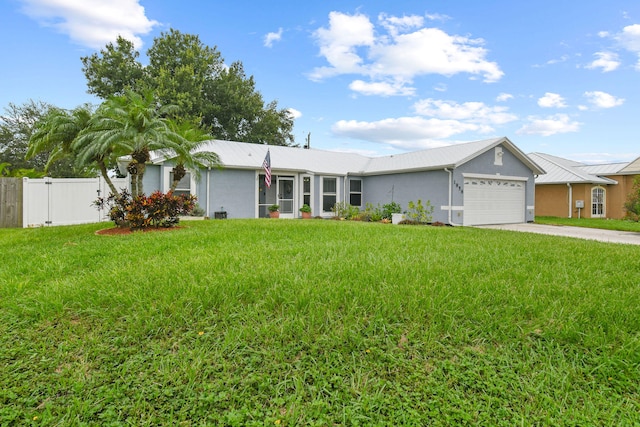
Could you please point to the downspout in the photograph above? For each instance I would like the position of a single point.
(450, 196)
(344, 188)
(570, 199)
(208, 204)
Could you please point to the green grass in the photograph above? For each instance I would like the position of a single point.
(606, 224)
(322, 323)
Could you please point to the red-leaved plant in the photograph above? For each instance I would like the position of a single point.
(157, 210)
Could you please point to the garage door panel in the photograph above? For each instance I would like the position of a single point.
(493, 201)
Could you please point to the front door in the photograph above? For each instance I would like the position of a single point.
(285, 196)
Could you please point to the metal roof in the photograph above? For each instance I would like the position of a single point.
(562, 171)
(604, 169)
(243, 155)
(631, 167)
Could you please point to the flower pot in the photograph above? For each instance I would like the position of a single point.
(274, 214)
(305, 215)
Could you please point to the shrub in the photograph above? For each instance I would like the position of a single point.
(372, 213)
(419, 213)
(157, 210)
(632, 205)
(343, 210)
(389, 209)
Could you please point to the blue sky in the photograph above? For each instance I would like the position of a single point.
(376, 77)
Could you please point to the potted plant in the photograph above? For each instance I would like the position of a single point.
(305, 210)
(274, 211)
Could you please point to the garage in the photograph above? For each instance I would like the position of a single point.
(494, 200)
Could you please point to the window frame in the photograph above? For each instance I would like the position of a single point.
(324, 193)
(598, 205)
(353, 193)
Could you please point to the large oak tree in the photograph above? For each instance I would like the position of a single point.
(183, 71)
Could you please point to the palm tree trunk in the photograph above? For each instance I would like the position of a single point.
(107, 179)
(139, 176)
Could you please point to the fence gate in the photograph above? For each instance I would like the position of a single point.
(10, 202)
(63, 201)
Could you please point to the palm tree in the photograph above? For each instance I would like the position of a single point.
(57, 134)
(192, 138)
(129, 125)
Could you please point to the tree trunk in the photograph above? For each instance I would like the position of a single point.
(178, 173)
(107, 179)
(140, 175)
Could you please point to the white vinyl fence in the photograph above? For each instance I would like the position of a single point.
(64, 201)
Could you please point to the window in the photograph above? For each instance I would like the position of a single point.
(306, 190)
(184, 185)
(597, 202)
(355, 192)
(329, 193)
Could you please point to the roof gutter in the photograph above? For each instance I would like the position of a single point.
(450, 196)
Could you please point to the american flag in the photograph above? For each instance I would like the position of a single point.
(267, 169)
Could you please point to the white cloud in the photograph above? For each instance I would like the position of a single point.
(551, 125)
(607, 61)
(351, 45)
(502, 97)
(551, 100)
(338, 44)
(395, 25)
(437, 17)
(472, 112)
(270, 38)
(629, 38)
(295, 114)
(603, 100)
(404, 132)
(381, 88)
(92, 23)
(441, 87)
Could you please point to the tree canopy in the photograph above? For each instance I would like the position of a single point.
(184, 72)
(17, 125)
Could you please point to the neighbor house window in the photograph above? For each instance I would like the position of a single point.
(355, 192)
(597, 202)
(329, 193)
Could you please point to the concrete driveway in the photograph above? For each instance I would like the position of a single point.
(609, 236)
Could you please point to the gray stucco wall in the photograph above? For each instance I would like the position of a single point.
(484, 164)
(152, 180)
(231, 190)
(403, 188)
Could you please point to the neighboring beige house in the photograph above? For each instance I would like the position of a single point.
(572, 189)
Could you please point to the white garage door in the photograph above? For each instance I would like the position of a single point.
(493, 201)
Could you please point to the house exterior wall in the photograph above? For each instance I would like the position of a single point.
(232, 191)
(152, 180)
(405, 187)
(486, 163)
(617, 195)
(553, 199)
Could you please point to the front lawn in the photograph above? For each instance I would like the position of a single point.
(606, 224)
(323, 323)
